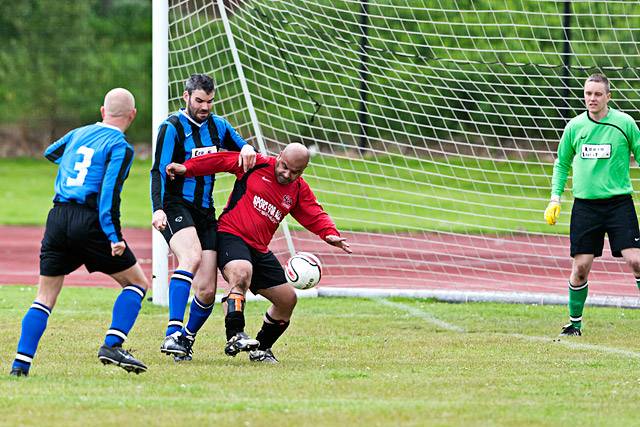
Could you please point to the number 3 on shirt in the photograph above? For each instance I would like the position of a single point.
(82, 166)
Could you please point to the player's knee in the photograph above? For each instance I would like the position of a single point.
(195, 258)
(206, 279)
(207, 295)
(580, 275)
(293, 300)
(204, 284)
(287, 300)
(241, 277)
(190, 260)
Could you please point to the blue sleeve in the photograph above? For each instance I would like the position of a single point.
(116, 171)
(230, 139)
(54, 152)
(162, 157)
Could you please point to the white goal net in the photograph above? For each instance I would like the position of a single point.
(435, 125)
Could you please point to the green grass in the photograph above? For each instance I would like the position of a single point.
(389, 194)
(343, 362)
(452, 194)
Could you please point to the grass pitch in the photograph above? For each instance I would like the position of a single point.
(393, 194)
(343, 362)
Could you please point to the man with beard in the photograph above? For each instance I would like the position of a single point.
(183, 209)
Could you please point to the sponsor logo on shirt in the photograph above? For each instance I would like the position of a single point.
(197, 152)
(595, 151)
(287, 201)
(267, 209)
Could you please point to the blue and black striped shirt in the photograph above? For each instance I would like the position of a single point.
(93, 161)
(179, 139)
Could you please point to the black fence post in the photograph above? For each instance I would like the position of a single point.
(364, 74)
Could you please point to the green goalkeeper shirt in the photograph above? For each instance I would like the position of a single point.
(599, 154)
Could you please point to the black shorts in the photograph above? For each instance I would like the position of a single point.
(267, 271)
(181, 215)
(73, 237)
(591, 219)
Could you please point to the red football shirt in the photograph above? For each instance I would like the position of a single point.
(259, 203)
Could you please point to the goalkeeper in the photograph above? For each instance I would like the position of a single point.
(596, 145)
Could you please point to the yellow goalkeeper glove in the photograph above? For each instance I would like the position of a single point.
(552, 212)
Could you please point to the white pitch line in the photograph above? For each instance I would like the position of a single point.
(455, 328)
(422, 314)
(578, 346)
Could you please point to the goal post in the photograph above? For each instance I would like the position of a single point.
(160, 87)
(160, 64)
(433, 126)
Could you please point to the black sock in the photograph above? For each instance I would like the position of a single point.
(234, 320)
(234, 323)
(271, 330)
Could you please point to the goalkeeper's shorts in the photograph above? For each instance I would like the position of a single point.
(591, 219)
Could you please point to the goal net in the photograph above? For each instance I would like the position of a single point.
(434, 126)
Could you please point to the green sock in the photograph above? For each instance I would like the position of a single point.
(577, 297)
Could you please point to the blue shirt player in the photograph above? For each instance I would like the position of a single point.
(183, 208)
(83, 228)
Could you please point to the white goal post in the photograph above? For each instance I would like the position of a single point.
(160, 250)
(434, 127)
(160, 88)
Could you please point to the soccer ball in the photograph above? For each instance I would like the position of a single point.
(303, 270)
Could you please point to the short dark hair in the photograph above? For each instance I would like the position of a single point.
(599, 78)
(199, 81)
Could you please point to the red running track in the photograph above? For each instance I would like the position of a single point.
(429, 261)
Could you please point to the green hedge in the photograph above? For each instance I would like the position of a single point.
(492, 69)
(59, 58)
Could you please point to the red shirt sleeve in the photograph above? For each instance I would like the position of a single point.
(224, 161)
(310, 214)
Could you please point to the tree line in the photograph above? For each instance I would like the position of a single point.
(59, 58)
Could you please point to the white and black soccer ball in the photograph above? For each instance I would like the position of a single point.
(303, 270)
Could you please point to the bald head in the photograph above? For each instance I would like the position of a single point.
(291, 162)
(296, 153)
(119, 108)
(119, 102)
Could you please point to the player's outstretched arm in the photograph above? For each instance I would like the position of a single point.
(339, 242)
(174, 169)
